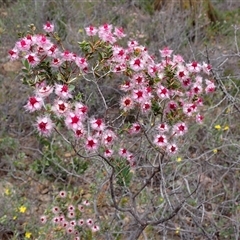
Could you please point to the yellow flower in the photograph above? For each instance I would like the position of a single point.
(7, 191)
(177, 230)
(226, 128)
(215, 151)
(161, 200)
(218, 127)
(15, 217)
(179, 159)
(22, 209)
(28, 235)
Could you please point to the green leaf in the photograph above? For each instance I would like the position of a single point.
(71, 87)
(124, 174)
(26, 64)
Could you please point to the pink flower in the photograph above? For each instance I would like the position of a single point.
(126, 86)
(68, 56)
(81, 109)
(180, 129)
(13, 54)
(135, 128)
(160, 140)
(82, 63)
(70, 230)
(131, 44)
(56, 220)
(108, 137)
(52, 51)
(152, 70)
(91, 31)
(43, 219)
(62, 91)
(34, 103)
(197, 88)
(139, 95)
(62, 194)
(105, 33)
(162, 92)
(194, 67)
(32, 59)
(60, 108)
(56, 62)
(199, 101)
(55, 210)
(95, 228)
(186, 82)
(178, 59)
(71, 214)
(206, 68)
(172, 106)
(65, 224)
(182, 73)
(104, 29)
(136, 64)
(71, 208)
(86, 203)
(108, 153)
(199, 118)
(44, 126)
(210, 86)
(73, 223)
(23, 44)
(108, 37)
(187, 109)
(166, 52)
(44, 91)
(146, 106)
(118, 32)
(73, 121)
(48, 27)
(131, 159)
(162, 127)
(119, 68)
(119, 54)
(91, 144)
(172, 148)
(42, 41)
(89, 222)
(81, 222)
(97, 124)
(79, 132)
(123, 152)
(126, 103)
(138, 79)
(61, 218)
(81, 208)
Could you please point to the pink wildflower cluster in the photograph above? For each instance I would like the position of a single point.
(71, 220)
(106, 33)
(176, 88)
(38, 48)
(170, 87)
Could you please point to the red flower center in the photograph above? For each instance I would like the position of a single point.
(42, 125)
(33, 100)
(127, 102)
(75, 119)
(61, 107)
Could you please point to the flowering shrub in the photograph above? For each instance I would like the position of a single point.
(158, 101)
